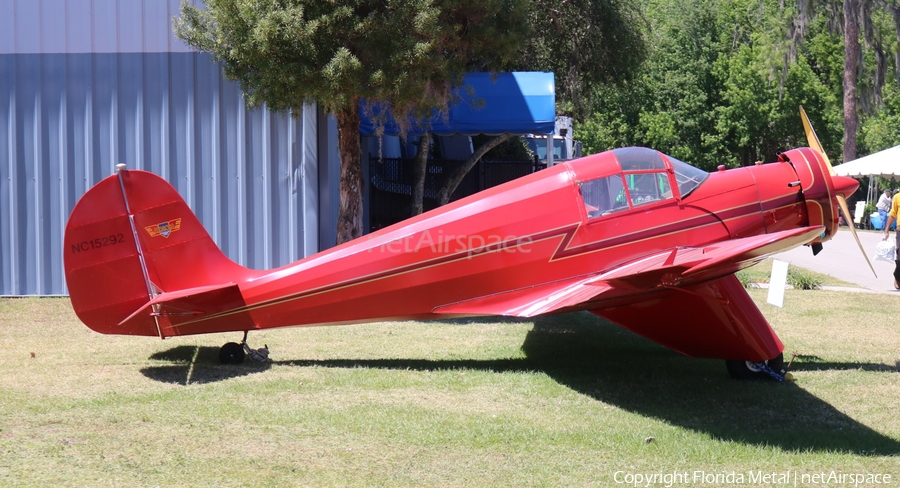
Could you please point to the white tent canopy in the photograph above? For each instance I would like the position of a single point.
(883, 163)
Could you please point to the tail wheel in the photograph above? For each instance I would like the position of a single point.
(746, 370)
(231, 353)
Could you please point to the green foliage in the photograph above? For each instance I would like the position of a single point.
(882, 130)
(745, 278)
(669, 106)
(801, 279)
(724, 80)
(405, 53)
(587, 44)
(759, 119)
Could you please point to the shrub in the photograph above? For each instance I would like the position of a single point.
(745, 278)
(803, 280)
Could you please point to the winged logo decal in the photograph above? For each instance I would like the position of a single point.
(164, 229)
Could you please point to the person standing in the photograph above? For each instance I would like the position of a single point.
(892, 216)
(884, 207)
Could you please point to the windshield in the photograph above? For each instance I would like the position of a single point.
(639, 159)
(687, 177)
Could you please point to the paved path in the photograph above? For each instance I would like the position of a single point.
(841, 258)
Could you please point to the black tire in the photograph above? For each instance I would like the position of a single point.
(231, 353)
(744, 370)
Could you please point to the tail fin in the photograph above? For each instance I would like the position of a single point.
(130, 238)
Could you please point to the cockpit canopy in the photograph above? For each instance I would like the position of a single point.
(646, 176)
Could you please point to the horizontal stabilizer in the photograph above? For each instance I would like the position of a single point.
(195, 310)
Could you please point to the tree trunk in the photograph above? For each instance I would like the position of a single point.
(420, 163)
(454, 180)
(349, 224)
(851, 61)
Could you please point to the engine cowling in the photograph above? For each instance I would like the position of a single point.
(820, 189)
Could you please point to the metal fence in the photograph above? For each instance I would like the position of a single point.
(390, 195)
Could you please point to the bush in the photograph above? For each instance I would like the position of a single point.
(803, 280)
(745, 278)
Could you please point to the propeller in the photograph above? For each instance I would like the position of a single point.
(842, 202)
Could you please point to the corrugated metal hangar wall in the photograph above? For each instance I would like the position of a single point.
(88, 84)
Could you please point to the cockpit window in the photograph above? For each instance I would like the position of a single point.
(645, 178)
(686, 176)
(604, 196)
(648, 187)
(639, 159)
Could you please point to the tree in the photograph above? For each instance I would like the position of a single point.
(448, 186)
(671, 104)
(587, 44)
(882, 131)
(851, 61)
(420, 166)
(404, 54)
(746, 65)
(723, 82)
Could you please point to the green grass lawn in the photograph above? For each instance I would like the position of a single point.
(763, 271)
(558, 401)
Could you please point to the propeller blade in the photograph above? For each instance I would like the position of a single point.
(813, 139)
(846, 211)
(814, 143)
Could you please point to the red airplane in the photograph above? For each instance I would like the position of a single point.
(632, 235)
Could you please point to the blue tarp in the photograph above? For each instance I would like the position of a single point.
(515, 103)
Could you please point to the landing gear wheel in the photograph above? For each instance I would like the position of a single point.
(746, 370)
(231, 353)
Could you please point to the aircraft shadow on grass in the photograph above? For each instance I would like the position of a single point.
(614, 366)
(196, 365)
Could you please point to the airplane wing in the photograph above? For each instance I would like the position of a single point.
(672, 267)
(531, 301)
(714, 319)
(666, 269)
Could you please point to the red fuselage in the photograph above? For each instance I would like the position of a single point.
(574, 221)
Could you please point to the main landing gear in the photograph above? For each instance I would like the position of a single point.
(745, 370)
(234, 353)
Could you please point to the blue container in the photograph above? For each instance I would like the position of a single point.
(877, 224)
